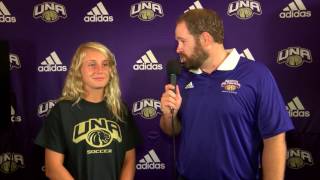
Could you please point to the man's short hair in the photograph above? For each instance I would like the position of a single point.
(203, 20)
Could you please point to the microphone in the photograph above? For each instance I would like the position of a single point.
(173, 69)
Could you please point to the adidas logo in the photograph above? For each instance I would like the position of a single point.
(45, 107)
(244, 9)
(51, 64)
(14, 61)
(295, 9)
(196, 5)
(5, 15)
(49, 11)
(98, 14)
(247, 54)
(147, 62)
(294, 56)
(150, 162)
(146, 10)
(189, 86)
(14, 117)
(296, 109)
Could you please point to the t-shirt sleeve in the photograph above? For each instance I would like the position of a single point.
(133, 137)
(273, 118)
(51, 133)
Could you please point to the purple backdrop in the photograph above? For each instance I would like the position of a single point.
(43, 36)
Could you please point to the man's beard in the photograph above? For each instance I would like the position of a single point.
(196, 59)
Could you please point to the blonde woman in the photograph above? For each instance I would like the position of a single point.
(89, 133)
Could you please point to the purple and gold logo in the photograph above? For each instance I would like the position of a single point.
(230, 86)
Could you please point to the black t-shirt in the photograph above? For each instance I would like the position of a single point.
(93, 142)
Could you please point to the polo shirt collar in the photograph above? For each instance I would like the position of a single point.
(228, 64)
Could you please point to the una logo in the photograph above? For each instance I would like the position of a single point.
(244, 9)
(45, 107)
(294, 56)
(11, 162)
(146, 108)
(150, 161)
(230, 86)
(5, 15)
(295, 9)
(247, 54)
(196, 5)
(296, 109)
(146, 10)
(49, 11)
(14, 117)
(52, 63)
(98, 14)
(147, 62)
(297, 158)
(97, 132)
(14, 61)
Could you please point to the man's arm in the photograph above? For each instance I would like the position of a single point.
(274, 157)
(54, 166)
(128, 167)
(166, 126)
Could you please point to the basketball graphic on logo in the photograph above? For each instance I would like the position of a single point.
(146, 15)
(50, 16)
(149, 112)
(294, 61)
(244, 13)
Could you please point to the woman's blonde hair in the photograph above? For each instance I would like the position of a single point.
(74, 89)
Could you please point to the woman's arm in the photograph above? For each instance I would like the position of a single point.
(128, 167)
(54, 166)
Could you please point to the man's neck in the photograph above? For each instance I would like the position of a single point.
(216, 57)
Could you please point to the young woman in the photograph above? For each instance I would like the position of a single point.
(89, 133)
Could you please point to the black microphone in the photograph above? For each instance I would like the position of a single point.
(173, 69)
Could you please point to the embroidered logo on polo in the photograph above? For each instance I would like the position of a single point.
(45, 107)
(147, 108)
(196, 5)
(5, 15)
(98, 14)
(98, 133)
(244, 9)
(247, 54)
(296, 109)
(230, 86)
(49, 11)
(294, 56)
(147, 62)
(52, 63)
(14, 61)
(150, 161)
(295, 9)
(11, 162)
(146, 10)
(14, 116)
(298, 158)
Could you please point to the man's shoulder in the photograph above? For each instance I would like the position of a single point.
(255, 67)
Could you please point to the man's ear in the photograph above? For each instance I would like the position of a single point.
(206, 39)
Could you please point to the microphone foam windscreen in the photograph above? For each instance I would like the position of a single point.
(173, 67)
